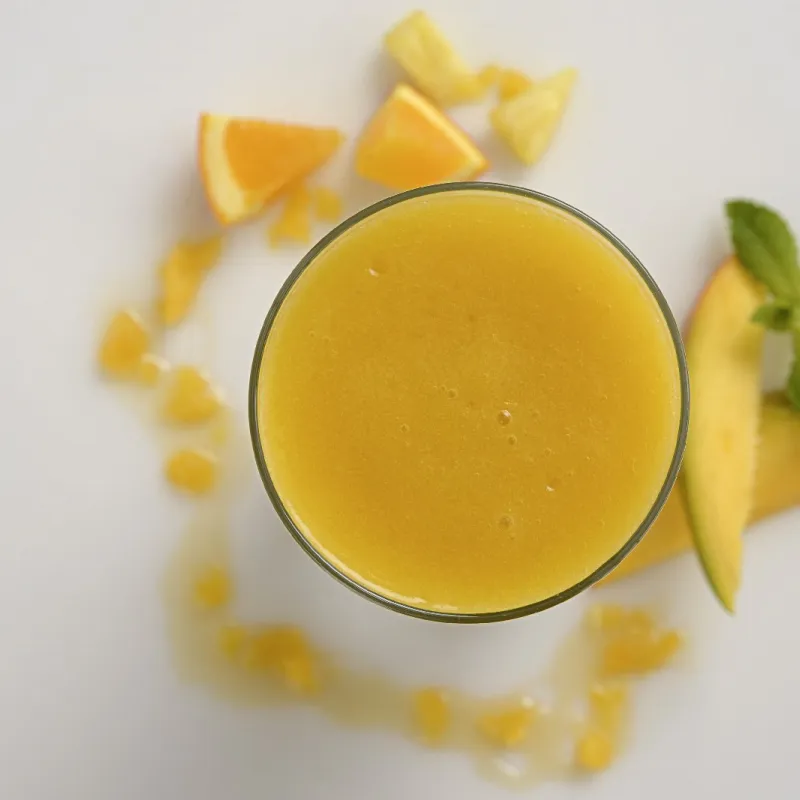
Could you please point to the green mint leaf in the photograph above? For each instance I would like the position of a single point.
(765, 246)
(777, 316)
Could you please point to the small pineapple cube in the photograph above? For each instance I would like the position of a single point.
(422, 50)
(594, 751)
(192, 470)
(431, 714)
(508, 727)
(528, 120)
(190, 398)
(124, 344)
(512, 82)
(212, 589)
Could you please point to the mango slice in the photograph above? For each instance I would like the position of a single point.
(724, 352)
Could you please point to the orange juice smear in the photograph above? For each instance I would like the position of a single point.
(469, 401)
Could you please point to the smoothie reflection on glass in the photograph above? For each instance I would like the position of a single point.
(469, 402)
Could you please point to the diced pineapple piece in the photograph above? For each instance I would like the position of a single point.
(615, 619)
(192, 470)
(422, 50)
(150, 369)
(191, 399)
(431, 714)
(124, 345)
(528, 121)
(490, 75)
(213, 588)
(638, 652)
(594, 751)
(508, 727)
(284, 650)
(512, 82)
(609, 704)
(232, 640)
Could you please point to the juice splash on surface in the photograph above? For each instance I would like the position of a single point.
(501, 402)
(511, 739)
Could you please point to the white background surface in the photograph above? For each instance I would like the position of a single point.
(679, 105)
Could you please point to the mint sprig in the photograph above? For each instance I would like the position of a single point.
(766, 248)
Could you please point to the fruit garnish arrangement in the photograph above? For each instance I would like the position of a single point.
(742, 459)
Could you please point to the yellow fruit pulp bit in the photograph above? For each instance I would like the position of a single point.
(327, 204)
(294, 221)
(192, 470)
(422, 50)
(123, 345)
(594, 751)
(213, 588)
(181, 275)
(150, 369)
(509, 727)
(431, 714)
(511, 83)
(528, 121)
(639, 653)
(233, 640)
(489, 76)
(285, 651)
(190, 398)
(614, 619)
(608, 705)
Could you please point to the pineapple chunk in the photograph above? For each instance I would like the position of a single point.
(422, 50)
(528, 120)
(511, 83)
(432, 714)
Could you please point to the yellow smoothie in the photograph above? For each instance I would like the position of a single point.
(469, 401)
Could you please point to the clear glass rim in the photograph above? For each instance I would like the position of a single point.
(490, 616)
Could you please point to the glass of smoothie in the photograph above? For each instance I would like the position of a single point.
(469, 402)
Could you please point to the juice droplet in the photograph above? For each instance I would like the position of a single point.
(504, 417)
(452, 393)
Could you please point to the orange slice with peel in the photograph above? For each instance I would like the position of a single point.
(409, 143)
(245, 162)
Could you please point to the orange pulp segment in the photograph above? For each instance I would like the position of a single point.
(245, 162)
(410, 143)
(327, 204)
(294, 221)
(181, 275)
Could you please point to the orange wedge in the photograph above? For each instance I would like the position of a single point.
(410, 143)
(245, 162)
